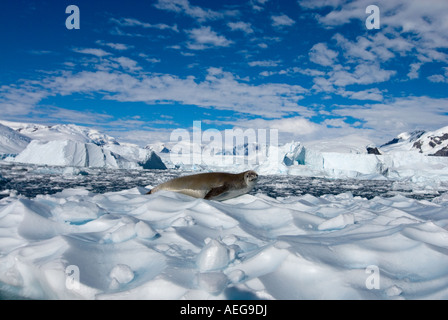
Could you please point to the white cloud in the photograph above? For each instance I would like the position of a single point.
(363, 74)
(92, 51)
(241, 26)
(257, 5)
(298, 126)
(40, 52)
(399, 115)
(220, 90)
(127, 64)
(205, 38)
(307, 71)
(282, 21)
(413, 73)
(369, 94)
(360, 50)
(337, 123)
(195, 12)
(417, 25)
(116, 46)
(293, 128)
(439, 77)
(131, 22)
(264, 63)
(133, 134)
(320, 54)
(314, 4)
(267, 73)
(322, 84)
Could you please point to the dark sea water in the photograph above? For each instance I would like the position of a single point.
(31, 180)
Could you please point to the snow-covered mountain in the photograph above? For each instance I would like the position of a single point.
(431, 143)
(61, 132)
(11, 142)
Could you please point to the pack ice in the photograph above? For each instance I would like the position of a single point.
(127, 245)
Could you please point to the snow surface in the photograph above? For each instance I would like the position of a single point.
(76, 244)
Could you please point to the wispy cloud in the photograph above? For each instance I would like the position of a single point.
(282, 21)
(220, 90)
(195, 12)
(362, 74)
(258, 5)
(241, 26)
(264, 63)
(115, 46)
(132, 22)
(320, 54)
(127, 64)
(40, 52)
(401, 114)
(373, 94)
(439, 78)
(205, 37)
(297, 126)
(93, 51)
(406, 25)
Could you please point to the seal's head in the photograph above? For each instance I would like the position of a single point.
(250, 177)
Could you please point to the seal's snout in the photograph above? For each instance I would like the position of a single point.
(251, 176)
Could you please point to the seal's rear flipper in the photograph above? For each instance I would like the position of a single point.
(216, 191)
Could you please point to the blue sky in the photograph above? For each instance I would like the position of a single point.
(138, 69)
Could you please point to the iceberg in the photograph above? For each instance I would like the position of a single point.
(71, 153)
(78, 154)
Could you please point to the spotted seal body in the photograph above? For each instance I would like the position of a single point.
(211, 185)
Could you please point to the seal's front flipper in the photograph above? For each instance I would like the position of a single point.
(216, 191)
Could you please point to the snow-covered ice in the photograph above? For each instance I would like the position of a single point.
(76, 244)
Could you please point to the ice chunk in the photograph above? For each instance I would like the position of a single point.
(213, 282)
(214, 256)
(122, 273)
(338, 222)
